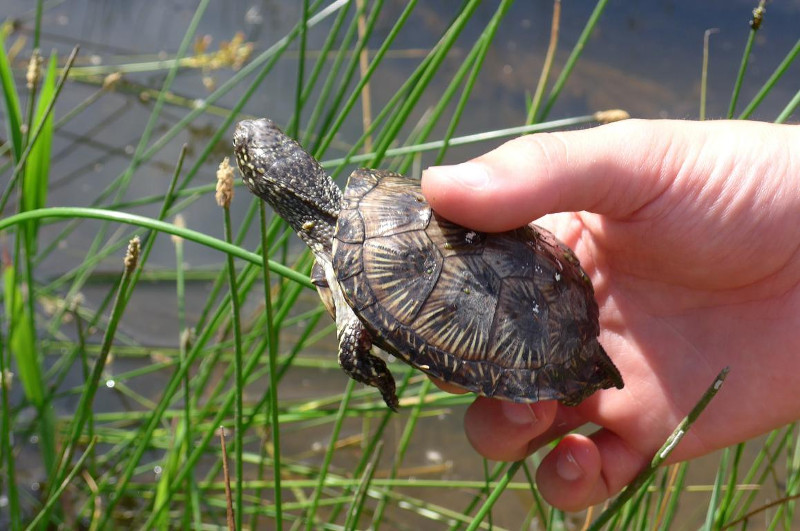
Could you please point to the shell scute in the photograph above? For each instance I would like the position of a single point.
(350, 227)
(458, 313)
(348, 263)
(520, 325)
(402, 270)
(387, 209)
(348, 258)
(454, 239)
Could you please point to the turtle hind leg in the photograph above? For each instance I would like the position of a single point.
(360, 365)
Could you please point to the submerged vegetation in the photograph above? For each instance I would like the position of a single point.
(105, 424)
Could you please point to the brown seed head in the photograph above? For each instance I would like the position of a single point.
(34, 73)
(224, 183)
(180, 222)
(132, 256)
(111, 81)
(611, 115)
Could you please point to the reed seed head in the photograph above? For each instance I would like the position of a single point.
(224, 183)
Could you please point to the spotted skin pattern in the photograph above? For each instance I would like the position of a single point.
(508, 315)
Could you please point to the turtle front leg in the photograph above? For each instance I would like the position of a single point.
(359, 364)
(355, 342)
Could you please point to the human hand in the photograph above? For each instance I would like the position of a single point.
(690, 232)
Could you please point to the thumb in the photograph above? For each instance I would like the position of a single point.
(612, 170)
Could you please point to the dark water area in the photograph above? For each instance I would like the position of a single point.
(644, 57)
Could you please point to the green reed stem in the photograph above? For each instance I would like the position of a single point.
(547, 67)
(238, 375)
(360, 497)
(662, 453)
(84, 407)
(161, 226)
(67, 481)
(704, 72)
(329, 81)
(402, 448)
(272, 345)
(781, 69)
(6, 430)
(311, 514)
(572, 60)
(485, 509)
(748, 47)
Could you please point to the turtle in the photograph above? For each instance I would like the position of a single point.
(507, 315)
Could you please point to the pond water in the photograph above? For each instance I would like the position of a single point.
(644, 57)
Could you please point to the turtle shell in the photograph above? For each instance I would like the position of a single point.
(509, 315)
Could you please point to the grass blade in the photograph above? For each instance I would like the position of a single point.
(646, 474)
(572, 60)
(11, 102)
(773, 79)
(21, 340)
(758, 14)
(36, 178)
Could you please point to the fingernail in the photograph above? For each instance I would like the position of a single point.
(567, 466)
(467, 174)
(518, 413)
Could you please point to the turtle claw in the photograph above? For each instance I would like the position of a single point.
(387, 389)
(360, 365)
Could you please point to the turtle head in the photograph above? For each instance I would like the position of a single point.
(278, 170)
